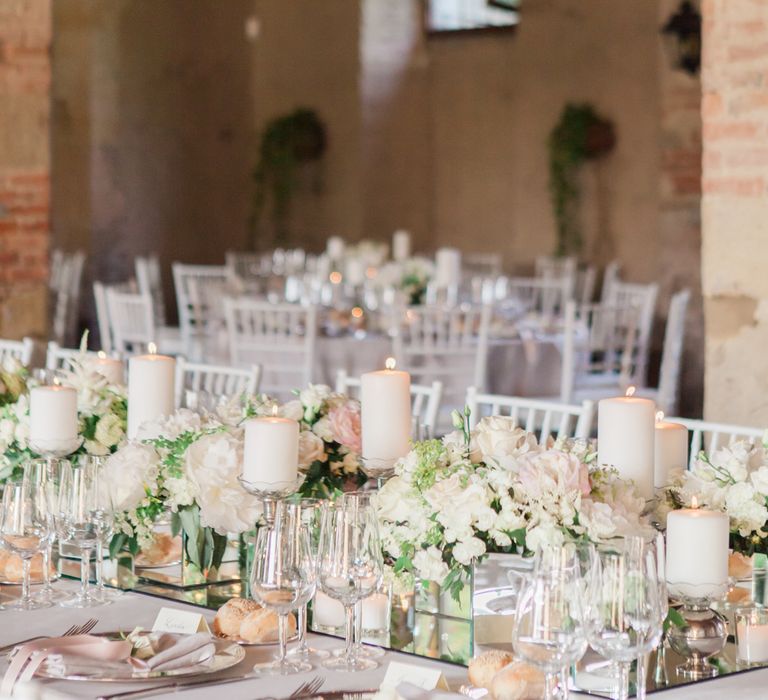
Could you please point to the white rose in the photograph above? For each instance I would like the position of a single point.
(392, 500)
(311, 449)
(498, 441)
(323, 429)
(759, 479)
(466, 551)
(109, 430)
(293, 410)
(178, 423)
(7, 430)
(130, 471)
(545, 534)
(312, 399)
(429, 564)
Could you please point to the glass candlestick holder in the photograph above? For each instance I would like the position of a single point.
(270, 494)
(379, 469)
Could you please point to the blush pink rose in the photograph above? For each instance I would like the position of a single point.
(345, 425)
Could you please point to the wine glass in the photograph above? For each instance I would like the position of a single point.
(350, 568)
(308, 515)
(550, 627)
(283, 579)
(625, 607)
(83, 511)
(25, 526)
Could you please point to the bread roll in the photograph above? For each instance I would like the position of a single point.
(483, 668)
(518, 681)
(261, 626)
(231, 615)
(739, 566)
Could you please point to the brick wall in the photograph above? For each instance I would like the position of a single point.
(735, 209)
(25, 79)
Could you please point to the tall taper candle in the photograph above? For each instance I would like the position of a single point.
(386, 413)
(151, 381)
(625, 439)
(271, 451)
(52, 414)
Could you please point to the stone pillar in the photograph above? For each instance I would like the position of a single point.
(25, 79)
(735, 210)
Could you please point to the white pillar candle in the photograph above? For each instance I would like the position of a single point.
(625, 439)
(401, 245)
(386, 413)
(376, 612)
(335, 248)
(271, 452)
(108, 367)
(670, 450)
(752, 641)
(697, 553)
(326, 611)
(52, 415)
(447, 267)
(151, 381)
(354, 271)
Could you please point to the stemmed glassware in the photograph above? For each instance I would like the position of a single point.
(25, 526)
(350, 568)
(84, 514)
(550, 621)
(625, 608)
(283, 579)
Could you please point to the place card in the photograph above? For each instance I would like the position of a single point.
(180, 622)
(420, 676)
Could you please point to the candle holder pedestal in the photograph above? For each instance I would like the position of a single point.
(379, 469)
(270, 494)
(704, 634)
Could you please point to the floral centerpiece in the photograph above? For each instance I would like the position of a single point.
(101, 406)
(733, 480)
(410, 276)
(496, 489)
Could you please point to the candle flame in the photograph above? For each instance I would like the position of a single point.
(152, 349)
(335, 278)
(371, 273)
(101, 354)
(56, 381)
(357, 312)
(659, 416)
(275, 410)
(391, 363)
(630, 391)
(694, 502)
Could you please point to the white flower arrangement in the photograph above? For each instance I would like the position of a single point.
(733, 480)
(496, 489)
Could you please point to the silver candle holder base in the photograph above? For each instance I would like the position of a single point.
(379, 469)
(271, 494)
(703, 634)
(55, 449)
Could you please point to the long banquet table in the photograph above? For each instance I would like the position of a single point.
(135, 609)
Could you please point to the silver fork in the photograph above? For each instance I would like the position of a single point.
(85, 628)
(308, 688)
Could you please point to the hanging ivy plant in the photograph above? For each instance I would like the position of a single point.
(580, 135)
(287, 142)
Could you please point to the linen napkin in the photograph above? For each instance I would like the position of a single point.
(177, 651)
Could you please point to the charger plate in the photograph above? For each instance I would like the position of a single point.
(227, 655)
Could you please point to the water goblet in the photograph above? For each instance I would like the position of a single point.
(350, 568)
(25, 526)
(283, 579)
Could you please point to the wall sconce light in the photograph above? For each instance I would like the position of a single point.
(682, 38)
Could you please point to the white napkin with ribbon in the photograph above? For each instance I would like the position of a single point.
(177, 651)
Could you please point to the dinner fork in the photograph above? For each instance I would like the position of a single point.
(85, 628)
(308, 688)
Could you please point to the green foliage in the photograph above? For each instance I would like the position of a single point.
(569, 146)
(287, 141)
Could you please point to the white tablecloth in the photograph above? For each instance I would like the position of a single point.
(135, 609)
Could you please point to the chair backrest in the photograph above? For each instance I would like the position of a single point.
(585, 284)
(642, 297)
(610, 275)
(445, 344)
(216, 380)
(672, 353)
(425, 400)
(149, 281)
(547, 296)
(557, 268)
(131, 320)
(483, 264)
(545, 418)
(57, 357)
(102, 316)
(200, 292)
(244, 265)
(19, 349)
(709, 436)
(279, 337)
(600, 344)
(65, 285)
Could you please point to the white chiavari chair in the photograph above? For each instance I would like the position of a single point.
(149, 281)
(65, 289)
(554, 267)
(57, 357)
(610, 276)
(709, 436)
(425, 399)
(102, 316)
(585, 284)
(642, 297)
(667, 394)
(445, 344)
(200, 292)
(279, 337)
(600, 346)
(481, 264)
(546, 296)
(216, 380)
(544, 418)
(131, 321)
(20, 350)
